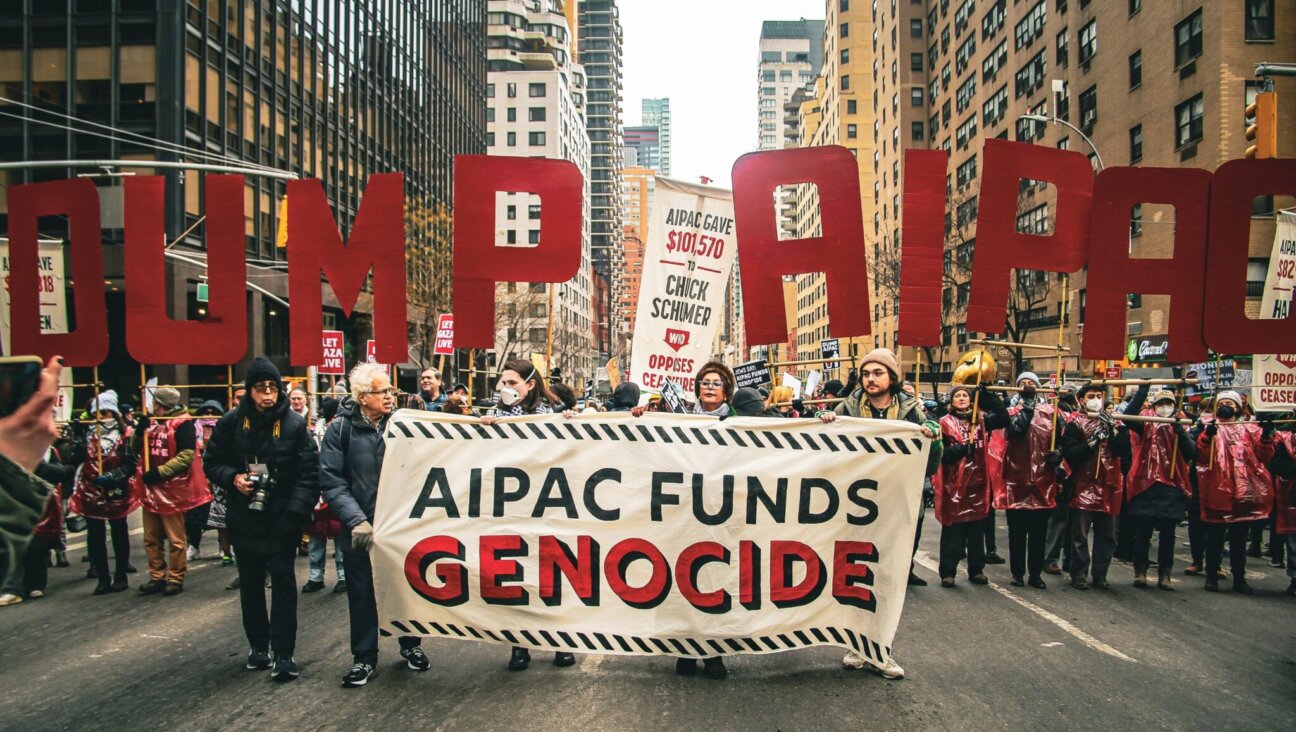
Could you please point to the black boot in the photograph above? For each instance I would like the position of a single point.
(562, 658)
(685, 666)
(916, 581)
(103, 588)
(714, 668)
(1241, 587)
(520, 659)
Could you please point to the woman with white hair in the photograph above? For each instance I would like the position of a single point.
(351, 459)
(106, 492)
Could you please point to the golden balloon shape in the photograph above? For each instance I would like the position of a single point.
(972, 362)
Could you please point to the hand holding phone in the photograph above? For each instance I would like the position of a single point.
(27, 397)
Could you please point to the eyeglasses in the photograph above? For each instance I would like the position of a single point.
(876, 373)
(266, 388)
(381, 392)
(711, 384)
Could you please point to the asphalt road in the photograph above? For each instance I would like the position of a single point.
(976, 658)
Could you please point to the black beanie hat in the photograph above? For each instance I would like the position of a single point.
(262, 370)
(747, 402)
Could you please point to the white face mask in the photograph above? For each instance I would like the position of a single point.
(1094, 405)
(509, 396)
(1165, 410)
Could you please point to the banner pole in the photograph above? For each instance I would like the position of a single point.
(143, 390)
(549, 334)
(1057, 396)
(99, 450)
(1219, 381)
(472, 371)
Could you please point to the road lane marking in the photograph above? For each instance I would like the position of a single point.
(924, 558)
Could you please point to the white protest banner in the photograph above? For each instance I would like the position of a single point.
(794, 384)
(53, 290)
(333, 363)
(1275, 373)
(444, 344)
(662, 535)
(63, 402)
(686, 263)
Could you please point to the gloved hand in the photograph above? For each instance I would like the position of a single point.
(1266, 425)
(289, 524)
(142, 422)
(153, 477)
(1053, 457)
(1106, 419)
(799, 406)
(956, 451)
(1060, 472)
(362, 536)
(1212, 429)
(103, 481)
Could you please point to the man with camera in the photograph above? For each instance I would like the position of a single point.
(264, 456)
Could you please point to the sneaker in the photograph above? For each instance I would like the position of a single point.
(916, 581)
(519, 660)
(688, 666)
(947, 582)
(313, 586)
(1052, 568)
(173, 588)
(1080, 584)
(358, 676)
(285, 668)
(226, 560)
(192, 553)
(714, 668)
(130, 568)
(890, 670)
(1277, 563)
(35, 594)
(152, 587)
(340, 587)
(563, 659)
(9, 598)
(416, 659)
(853, 660)
(257, 660)
(1193, 569)
(994, 558)
(1100, 584)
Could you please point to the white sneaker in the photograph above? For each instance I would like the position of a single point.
(891, 670)
(9, 598)
(192, 553)
(853, 660)
(36, 594)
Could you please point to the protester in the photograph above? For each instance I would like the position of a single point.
(1030, 482)
(962, 488)
(214, 512)
(455, 404)
(299, 402)
(1235, 487)
(522, 391)
(107, 491)
(781, 395)
(564, 394)
(25, 436)
(1093, 445)
(879, 397)
(173, 484)
(747, 402)
(1057, 544)
(625, 397)
(1158, 488)
(30, 576)
(714, 388)
(434, 397)
(264, 459)
(1283, 468)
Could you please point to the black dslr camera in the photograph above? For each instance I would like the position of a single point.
(261, 482)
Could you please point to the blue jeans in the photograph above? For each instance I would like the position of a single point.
(317, 550)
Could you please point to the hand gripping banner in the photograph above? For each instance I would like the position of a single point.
(663, 535)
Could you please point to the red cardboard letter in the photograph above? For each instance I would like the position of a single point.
(377, 241)
(1001, 248)
(151, 335)
(923, 250)
(479, 263)
(1225, 325)
(77, 199)
(1114, 273)
(839, 252)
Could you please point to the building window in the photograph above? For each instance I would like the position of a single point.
(535, 138)
(845, 56)
(1136, 220)
(850, 106)
(512, 139)
(916, 96)
(916, 131)
(1088, 41)
(843, 5)
(915, 28)
(1188, 121)
(1088, 107)
(844, 30)
(536, 89)
(915, 62)
(512, 90)
(1136, 69)
(1135, 6)
(1259, 20)
(852, 131)
(1062, 48)
(512, 114)
(845, 82)
(490, 91)
(1136, 143)
(490, 139)
(533, 237)
(490, 114)
(536, 114)
(511, 212)
(1188, 39)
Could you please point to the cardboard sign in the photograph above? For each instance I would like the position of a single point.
(794, 384)
(444, 344)
(333, 362)
(812, 383)
(753, 373)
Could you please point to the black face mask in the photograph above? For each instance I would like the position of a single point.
(1226, 412)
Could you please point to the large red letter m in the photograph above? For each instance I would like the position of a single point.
(376, 241)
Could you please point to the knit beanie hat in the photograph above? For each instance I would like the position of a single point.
(262, 370)
(887, 359)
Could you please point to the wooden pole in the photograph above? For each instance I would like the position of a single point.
(99, 449)
(549, 335)
(143, 391)
(1057, 398)
(472, 370)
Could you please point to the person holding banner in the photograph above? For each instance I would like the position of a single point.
(351, 460)
(1023, 467)
(1094, 445)
(879, 396)
(1234, 485)
(1159, 487)
(1283, 468)
(714, 388)
(962, 489)
(522, 391)
(107, 491)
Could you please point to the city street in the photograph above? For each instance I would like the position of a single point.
(992, 657)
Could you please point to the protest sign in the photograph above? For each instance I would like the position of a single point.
(753, 373)
(1275, 373)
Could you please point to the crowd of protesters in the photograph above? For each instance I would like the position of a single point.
(1077, 483)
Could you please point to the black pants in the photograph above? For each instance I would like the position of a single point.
(1125, 529)
(97, 547)
(1165, 529)
(1104, 543)
(278, 632)
(1236, 534)
(1196, 533)
(917, 538)
(1027, 529)
(196, 524)
(957, 540)
(363, 610)
(32, 573)
(988, 531)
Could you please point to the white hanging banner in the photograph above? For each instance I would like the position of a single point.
(53, 291)
(687, 259)
(1274, 385)
(667, 534)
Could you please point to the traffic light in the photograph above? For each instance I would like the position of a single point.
(1262, 126)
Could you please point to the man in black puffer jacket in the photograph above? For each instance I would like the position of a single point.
(263, 431)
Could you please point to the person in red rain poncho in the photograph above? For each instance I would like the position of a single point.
(962, 489)
(1234, 485)
(1158, 488)
(1283, 468)
(106, 492)
(1093, 445)
(1024, 464)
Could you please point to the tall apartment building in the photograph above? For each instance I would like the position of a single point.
(600, 53)
(656, 113)
(316, 88)
(643, 147)
(638, 185)
(536, 108)
(1166, 87)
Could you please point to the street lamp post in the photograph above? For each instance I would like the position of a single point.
(1058, 121)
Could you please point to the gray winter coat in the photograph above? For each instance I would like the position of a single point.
(350, 481)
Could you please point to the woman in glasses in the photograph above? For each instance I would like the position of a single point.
(714, 388)
(522, 390)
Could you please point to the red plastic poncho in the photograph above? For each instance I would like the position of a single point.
(182, 492)
(962, 493)
(50, 525)
(1154, 452)
(1019, 476)
(1234, 485)
(1099, 483)
(89, 499)
(1285, 489)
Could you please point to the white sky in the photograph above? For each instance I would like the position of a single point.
(702, 54)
